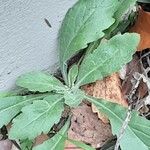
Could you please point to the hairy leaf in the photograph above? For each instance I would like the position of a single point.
(38, 81)
(6, 94)
(73, 97)
(12, 93)
(137, 133)
(109, 57)
(37, 118)
(11, 106)
(84, 23)
(57, 142)
(124, 6)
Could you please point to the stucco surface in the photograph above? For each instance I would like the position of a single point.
(26, 42)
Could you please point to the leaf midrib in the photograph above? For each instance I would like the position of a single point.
(57, 142)
(82, 26)
(50, 106)
(44, 84)
(20, 103)
(92, 70)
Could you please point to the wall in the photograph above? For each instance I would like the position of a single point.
(26, 42)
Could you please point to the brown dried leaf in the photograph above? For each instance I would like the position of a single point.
(110, 89)
(142, 26)
(86, 127)
(40, 139)
(5, 145)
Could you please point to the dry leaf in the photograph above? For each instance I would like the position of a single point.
(5, 145)
(142, 26)
(110, 89)
(86, 127)
(40, 139)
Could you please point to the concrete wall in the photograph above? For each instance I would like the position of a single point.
(26, 42)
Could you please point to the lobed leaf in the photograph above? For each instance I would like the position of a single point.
(11, 106)
(37, 118)
(38, 81)
(137, 133)
(84, 23)
(109, 57)
(57, 142)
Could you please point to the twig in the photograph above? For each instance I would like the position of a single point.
(123, 128)
(137, 78)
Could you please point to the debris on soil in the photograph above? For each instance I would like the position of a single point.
(142, 26)
(131, 68)
(86, 127)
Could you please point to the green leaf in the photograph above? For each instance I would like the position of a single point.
(109, 57)
(72, 75)
(144, 1)
(83, 24)
(6, 94)
(26, 145)
(73, 97)
(12, 93)
(81, 144)
(137, 133)
(11, 106)
(38, 81)
(124, 6)
(37, 118)
(57, 142)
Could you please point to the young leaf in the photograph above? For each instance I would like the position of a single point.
(81, 144)
(11, 106)
(37, 118)
(72, 75)
(73, 97)
(84, 23)
(109, 57)
(38, 81)
(57, 142)
(137, 133)
(26, 144)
